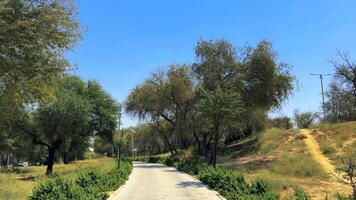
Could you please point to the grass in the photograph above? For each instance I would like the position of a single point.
(291, 166)
(336, 140)
(326, 148)
(271, 139)
(18, 183)
(297, 165)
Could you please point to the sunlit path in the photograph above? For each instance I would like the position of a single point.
(158, 182)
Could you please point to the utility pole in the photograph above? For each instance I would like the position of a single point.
(132, 142)
(322, 88)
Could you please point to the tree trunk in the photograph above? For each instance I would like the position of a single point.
(215, 148)
(118, 157)
(50, 160)
(65, 158)
(354, 193)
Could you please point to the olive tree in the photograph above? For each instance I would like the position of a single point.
(81, 110)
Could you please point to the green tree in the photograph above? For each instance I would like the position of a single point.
(165, 96)
(341, 95)
(34, 35)
(72, 119)
(222, 108)
(120, 142)
(246, 87)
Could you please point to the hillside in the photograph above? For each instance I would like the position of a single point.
(295, 158)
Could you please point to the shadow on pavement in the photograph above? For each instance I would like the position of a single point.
(194, 184)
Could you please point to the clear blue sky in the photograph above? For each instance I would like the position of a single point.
(127, 39)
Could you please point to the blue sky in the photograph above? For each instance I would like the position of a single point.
(126, 40)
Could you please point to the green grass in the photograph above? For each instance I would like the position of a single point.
(271, 139)
(326, 148)
(18, 183)
(298, 165)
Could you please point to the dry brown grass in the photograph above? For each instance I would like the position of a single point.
(283, 158)
(340, 138)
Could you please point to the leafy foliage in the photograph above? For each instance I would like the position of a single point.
(304, 119)
(34, 36)
(90, 185)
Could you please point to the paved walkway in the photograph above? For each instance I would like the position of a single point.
(158, 182)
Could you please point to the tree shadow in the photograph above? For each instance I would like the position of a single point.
(192, 184)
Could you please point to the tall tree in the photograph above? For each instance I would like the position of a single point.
(165, 96)
(34, 35)
(345, 72)
(72, 119)
(239, 87)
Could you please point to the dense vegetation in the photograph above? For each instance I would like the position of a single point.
(91, 184)
(17, 183)
(221, 96)
(48, 115)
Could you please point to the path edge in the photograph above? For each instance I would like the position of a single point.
(117, 191)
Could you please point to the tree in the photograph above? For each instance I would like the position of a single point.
(217, 95)
(72, 119)
(345, 72)
(341, 96)
(34, 35)
(120, 141)
(254, 84)
(304, 119)
(222, 108)
(340, 104)
(165, 96)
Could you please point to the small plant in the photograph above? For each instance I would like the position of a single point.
(299, 194)
(348, 171)
(327, 149)
(340, 196)
(304, 119)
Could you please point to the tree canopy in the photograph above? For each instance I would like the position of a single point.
(80, 111)
(225, 91)
(34, 35)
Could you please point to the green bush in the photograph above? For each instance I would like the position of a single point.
(191, 167)
(340, 196)
(90, 185)
(299, 194)
(91, 178)
(60, 189)
(118, 176)
(232, 185)
(327, 149)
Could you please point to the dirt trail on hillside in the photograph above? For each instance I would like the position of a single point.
(314, 149)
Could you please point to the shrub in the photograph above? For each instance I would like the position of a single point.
(340, 196)
(304, 119)
(327, 149)
(191, 167)
(228, 183)
(60, 189)
(91, 178)
(299, 194)
(90, 185)
(118, 176)
(281, 122)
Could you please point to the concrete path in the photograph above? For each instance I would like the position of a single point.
(158, 182)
